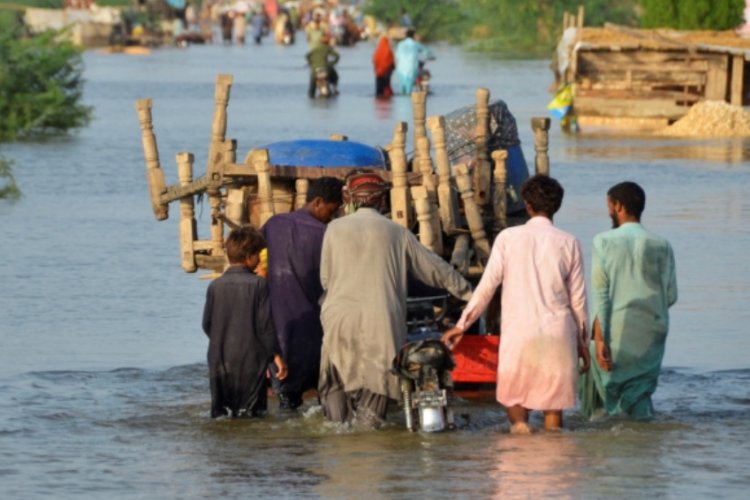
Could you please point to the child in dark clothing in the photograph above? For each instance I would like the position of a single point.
(242, 340)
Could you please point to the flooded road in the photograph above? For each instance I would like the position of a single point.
(103, 386)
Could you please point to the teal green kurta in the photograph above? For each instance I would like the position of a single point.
(633, 284)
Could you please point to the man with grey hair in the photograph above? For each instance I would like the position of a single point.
(365, 262)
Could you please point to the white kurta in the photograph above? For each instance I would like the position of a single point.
(543, 311)
(364, 266)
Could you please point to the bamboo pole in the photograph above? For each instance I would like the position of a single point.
(154, 173)
(300, 189)
(566, 20)
(581, 14)
(338, 137)
(447, 202)
(482, 169)
(259, 160)
(541, 144)
(188, 226)
(400, 188)
(422, 207)
(430, 184)
(419, 111)
(460, 254)
(472, 211)
(499, 200)
(219, 123)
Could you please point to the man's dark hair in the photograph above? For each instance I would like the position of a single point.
(410, 33)
(631, 195)
(543, 193)
(243, 243)
(328, 188)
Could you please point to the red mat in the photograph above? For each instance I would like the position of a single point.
(476, 359)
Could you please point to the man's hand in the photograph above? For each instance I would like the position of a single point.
(603, 356)
(452, 337)
(281, 370)
(584, 356)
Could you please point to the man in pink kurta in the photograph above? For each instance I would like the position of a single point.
(543, 301)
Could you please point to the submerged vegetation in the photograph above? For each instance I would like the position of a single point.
(41, 89)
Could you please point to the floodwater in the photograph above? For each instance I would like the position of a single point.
(103, 385)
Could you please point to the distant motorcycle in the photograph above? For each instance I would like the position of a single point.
(323, 85)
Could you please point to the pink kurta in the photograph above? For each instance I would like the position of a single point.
(543, 312)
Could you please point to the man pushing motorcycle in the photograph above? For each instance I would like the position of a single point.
(323, 75)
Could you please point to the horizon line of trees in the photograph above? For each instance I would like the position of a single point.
(532, 27)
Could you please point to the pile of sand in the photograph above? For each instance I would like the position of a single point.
(711, 119)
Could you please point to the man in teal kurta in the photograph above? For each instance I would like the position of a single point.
(633, 285)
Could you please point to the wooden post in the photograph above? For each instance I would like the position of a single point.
(188, 226)
(472, 211)
(400, 188)
(259, 160)
(430, 184)
(447, 202)
(541, 144)
(235, 206)
(581, 14)
(419, 111)
(566, 20)
(154, 173)
(460, 255)
(482, 169)
(738, 66)
(422, 207)
(716, 78)
(300, 188)
(500, 175)
(219, 123)
(217, 224)
(229, 152)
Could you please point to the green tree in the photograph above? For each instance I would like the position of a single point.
(40, 86)
(8, 187)
(432, 19)
(692, 14)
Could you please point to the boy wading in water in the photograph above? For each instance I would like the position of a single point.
(242, 340)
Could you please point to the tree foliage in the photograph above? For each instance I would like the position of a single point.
(533, 27)
(432, 19)
(40, 86)
(692, 14)
(8, 187)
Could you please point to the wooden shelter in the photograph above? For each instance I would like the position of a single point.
(647, 79)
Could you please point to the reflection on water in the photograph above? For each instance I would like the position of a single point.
(103, 387)
(729, 151)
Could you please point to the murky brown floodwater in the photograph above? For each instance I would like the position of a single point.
(103, 389)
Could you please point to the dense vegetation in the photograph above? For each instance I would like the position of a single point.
(532, 27)
(40, 91)
(40, 86)
(693, 14)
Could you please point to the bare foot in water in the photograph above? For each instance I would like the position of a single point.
(521, 428)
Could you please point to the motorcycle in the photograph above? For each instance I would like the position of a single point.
(423, 366)
(322, 85)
